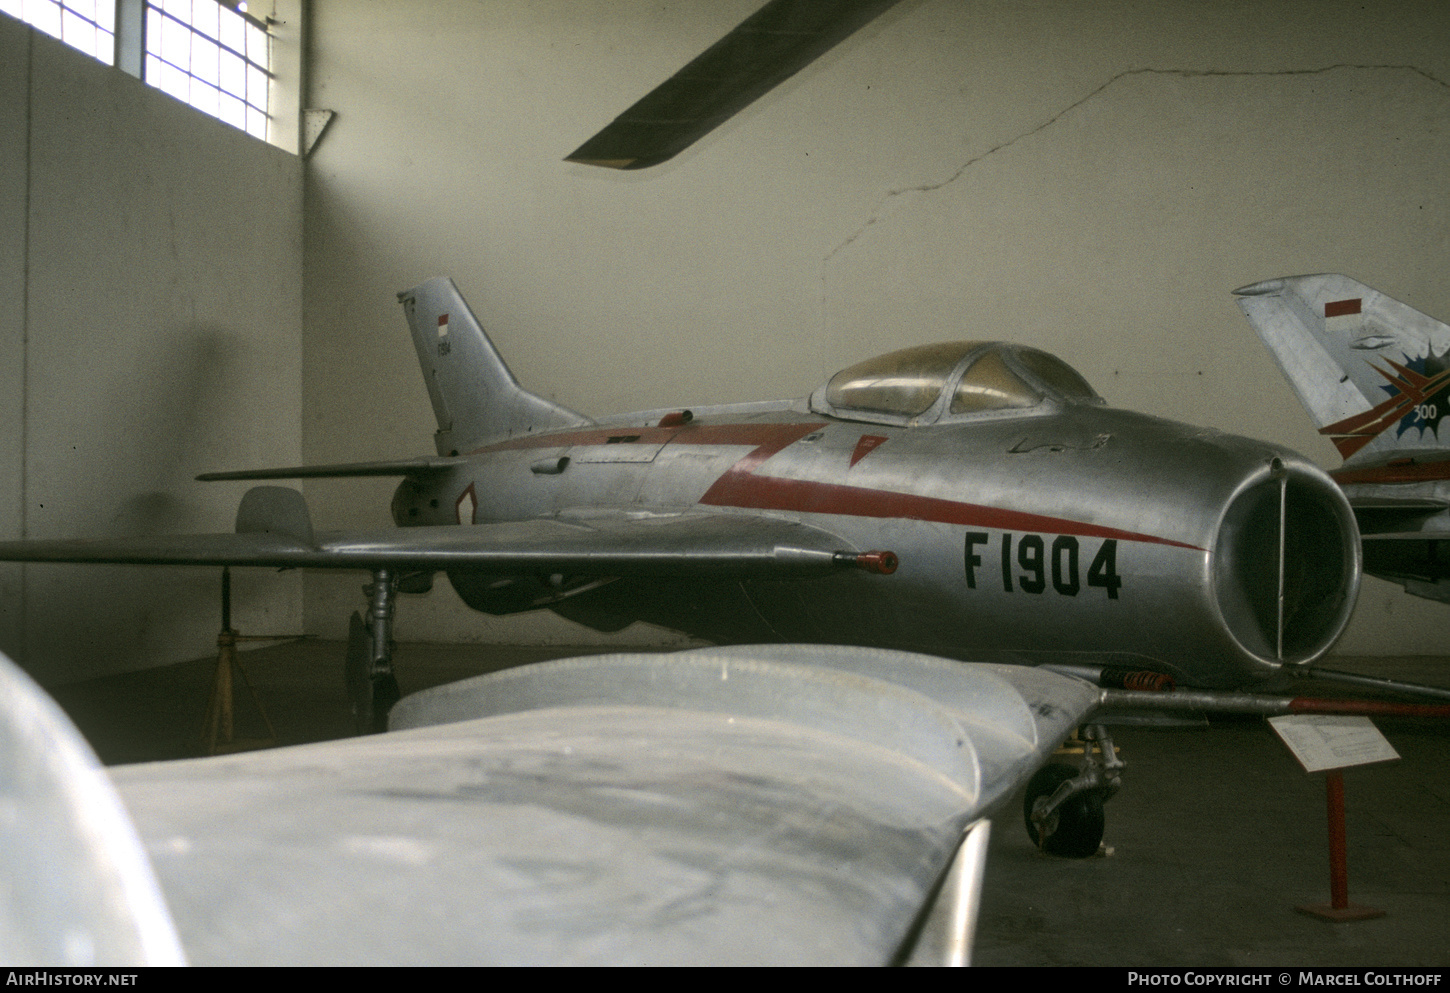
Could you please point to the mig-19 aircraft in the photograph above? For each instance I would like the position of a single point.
(919, 521)
(971, 500)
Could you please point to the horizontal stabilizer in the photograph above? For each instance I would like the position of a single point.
(1381, 516)
(1436, 536)
(1407, 505)
(342, 470)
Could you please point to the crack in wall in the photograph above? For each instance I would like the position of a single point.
(890, 195)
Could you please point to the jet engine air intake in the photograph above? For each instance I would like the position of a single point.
(1286, 565)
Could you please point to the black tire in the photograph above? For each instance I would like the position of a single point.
(386, 693)
(1080, 821)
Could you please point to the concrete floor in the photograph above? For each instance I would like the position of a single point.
(1215, 838)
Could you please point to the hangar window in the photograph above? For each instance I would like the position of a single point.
(88, 25)
(212, 57)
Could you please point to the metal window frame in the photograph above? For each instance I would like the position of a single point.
(145, 9)
(64, 7)
(285, 27)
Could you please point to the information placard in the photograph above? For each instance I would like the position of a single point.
(1330, 741)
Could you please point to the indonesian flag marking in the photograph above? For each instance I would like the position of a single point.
(1343, 318)
(442, 325)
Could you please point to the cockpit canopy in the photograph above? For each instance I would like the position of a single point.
(930, 383)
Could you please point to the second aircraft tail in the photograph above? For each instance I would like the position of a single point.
(475, 397)
(1372, 372)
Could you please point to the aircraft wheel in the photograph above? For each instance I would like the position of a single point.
(1079, 829)
(386, 693)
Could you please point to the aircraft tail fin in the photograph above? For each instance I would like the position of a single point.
(475, 397)
(1372, 372)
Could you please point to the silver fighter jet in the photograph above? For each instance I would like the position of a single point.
(973, 500)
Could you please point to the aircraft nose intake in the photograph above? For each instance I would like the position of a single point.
(1286, 563)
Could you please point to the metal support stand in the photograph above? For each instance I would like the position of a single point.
(218, 735)
(371, 685)
(1339, 908)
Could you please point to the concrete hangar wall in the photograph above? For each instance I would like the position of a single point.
(150, 329)
(1092, 178)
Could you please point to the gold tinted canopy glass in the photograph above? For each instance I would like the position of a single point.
(908, 382)
(1057, 374)
(905, 382)
(990, 385)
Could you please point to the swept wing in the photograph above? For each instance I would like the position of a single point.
(780, 805)
(273, 530)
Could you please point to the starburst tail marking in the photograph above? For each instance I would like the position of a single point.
(1360, 361)
(1409, 392)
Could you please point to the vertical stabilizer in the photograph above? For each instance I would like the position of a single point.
(1373, 373)
(475, 397)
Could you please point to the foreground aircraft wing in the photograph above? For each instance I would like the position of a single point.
(764, 50)
(274, 529)
(780, 804)
(771, 805)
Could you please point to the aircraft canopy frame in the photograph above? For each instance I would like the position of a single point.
(950, 381)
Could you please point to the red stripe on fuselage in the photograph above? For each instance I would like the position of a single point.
(740, 486)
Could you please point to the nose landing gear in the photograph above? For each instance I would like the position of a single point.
(1063, 806)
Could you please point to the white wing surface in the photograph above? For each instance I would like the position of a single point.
(792, 804)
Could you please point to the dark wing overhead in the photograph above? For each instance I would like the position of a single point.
(765, 49)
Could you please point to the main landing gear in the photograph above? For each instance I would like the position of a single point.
(1063, 806)
(371, 686)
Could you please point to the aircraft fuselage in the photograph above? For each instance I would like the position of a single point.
(1071, 533)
